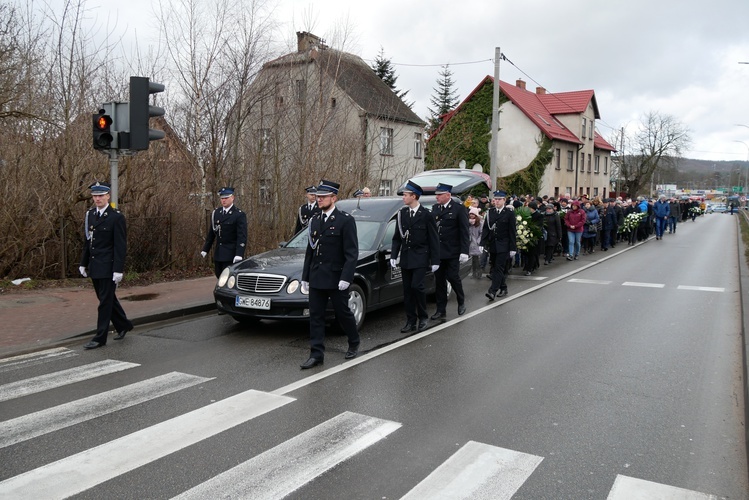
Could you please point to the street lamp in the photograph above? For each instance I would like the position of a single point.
(747, 160)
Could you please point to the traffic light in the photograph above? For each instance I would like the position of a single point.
(102, 132)
(141, 111)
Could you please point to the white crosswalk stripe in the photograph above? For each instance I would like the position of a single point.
(61, 378)
(35, 358)
(629, 488)
(292, 464)
(42, 422)
(84, 470)
(477, 471)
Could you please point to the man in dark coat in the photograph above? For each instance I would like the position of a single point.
(499, 236)
(307, 210)
(609, 227)
(229, 230)
(329, 266)
(103, 259)
(452, 226)
(417, 243)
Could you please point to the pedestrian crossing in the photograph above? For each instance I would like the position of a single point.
(475, 471)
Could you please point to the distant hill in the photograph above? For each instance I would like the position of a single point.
(688, 165)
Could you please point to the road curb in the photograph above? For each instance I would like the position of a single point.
(743, 288)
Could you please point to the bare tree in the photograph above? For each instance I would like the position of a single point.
(656, 144)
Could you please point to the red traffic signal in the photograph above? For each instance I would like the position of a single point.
(102, 133)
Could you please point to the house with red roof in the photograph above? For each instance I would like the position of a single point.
(581, 158)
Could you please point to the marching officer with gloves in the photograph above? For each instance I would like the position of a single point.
(329, 267)
(499, 236)
(229, 230)
(307, 210)
(417, 243)
(454, 235)
(103, 259)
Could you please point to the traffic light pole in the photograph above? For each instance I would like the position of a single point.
(114, 176)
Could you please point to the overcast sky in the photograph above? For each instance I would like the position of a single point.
(677, 57)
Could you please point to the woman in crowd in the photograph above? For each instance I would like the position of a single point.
(474, 249)
(591, 228)
(574, 221)
(553, 227)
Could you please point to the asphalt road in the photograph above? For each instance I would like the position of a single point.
(613, 377)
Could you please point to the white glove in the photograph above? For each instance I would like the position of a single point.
(463, 258)
(512, 253)
(203, 254)
(237, 258)
(82, 270)
(117, 277)
(304, 287)
(342, 285)
(435, 267)
(393, 263)
(481, 249)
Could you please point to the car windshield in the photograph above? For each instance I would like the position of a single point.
(366, 232)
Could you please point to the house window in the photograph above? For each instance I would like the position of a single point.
(585, 128)
(605, 164)
(264, 192)
(417, 145)
(556, 192)
(595, 191)
(558, 159)
(385, 188)
(590, 163)
(570, 166)
(332, 102)
(301, 91)
(581, 166)
(264, 141)
(597, 168)
(386, 141)
(568, 192)
(279, 101)
(590, 129)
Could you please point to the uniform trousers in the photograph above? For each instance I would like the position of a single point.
(109, 310)
(499, 271)
(219, 266)
(449, 270)
(318, 303)
(414, 294)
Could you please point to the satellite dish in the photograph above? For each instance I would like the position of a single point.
(462, 164)
(478, 168)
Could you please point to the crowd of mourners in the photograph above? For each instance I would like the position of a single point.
(567, 227)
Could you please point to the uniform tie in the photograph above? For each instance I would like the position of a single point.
(98, 215)
(412, 213)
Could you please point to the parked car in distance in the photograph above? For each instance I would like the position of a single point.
(267, 285)
(718, 208)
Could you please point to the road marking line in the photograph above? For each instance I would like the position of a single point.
(645, 285)
(477, 471)
(76, 473)
(35, 358)
(527, 278)
(61, 378)
(630, 488)
(589, 282)
(287, 467)
(701, 288)
(65, 415)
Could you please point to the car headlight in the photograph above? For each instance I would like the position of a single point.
(230, 283)
(224, 277)
(293, 286)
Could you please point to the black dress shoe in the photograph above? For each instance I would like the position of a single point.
(310, 363)
(490, 295)
(438, 316)
(503, 292)
(93, 345)
(351, 354)
(121, 335)
(461, 309)
(410, 327)
(422, 325)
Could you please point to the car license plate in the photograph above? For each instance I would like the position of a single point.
(252, 302)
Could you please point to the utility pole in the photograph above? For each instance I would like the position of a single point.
(494, 153)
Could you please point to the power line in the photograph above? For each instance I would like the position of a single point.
(435, 65)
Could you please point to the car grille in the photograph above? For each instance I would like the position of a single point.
(260, 283)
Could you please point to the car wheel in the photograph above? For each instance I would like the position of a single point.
(357, 302)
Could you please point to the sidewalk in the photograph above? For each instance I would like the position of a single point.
(34, 319)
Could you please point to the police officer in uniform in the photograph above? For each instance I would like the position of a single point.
(329, 266)
(307, 210)
(499, 236)
(229, 230)
(452, 225)
(417, 243)
(103, 259)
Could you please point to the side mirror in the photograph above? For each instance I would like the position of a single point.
(282, 244)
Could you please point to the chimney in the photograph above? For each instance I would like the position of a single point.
(520, 83)
(306, 41)
(540, 90)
